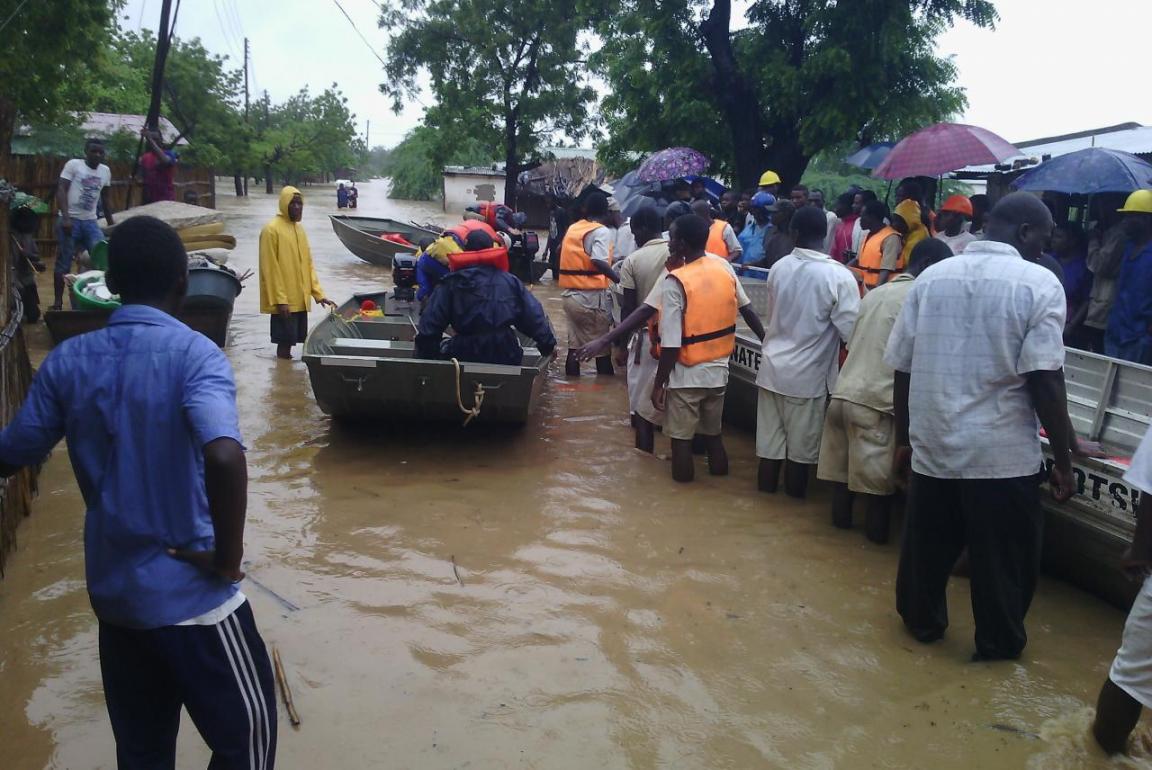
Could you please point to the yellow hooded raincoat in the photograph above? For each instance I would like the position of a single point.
(287, 275)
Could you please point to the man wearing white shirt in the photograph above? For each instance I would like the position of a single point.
(1128, 687)
(978, 352)
(812, 301)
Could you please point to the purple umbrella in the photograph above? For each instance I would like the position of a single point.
(941, 148)
(672, 163)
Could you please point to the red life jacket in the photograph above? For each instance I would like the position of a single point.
(495, 257)
(460, 232)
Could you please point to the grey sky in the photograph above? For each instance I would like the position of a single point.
(1049, 68)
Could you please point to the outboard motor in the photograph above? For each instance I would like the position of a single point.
(404, 277)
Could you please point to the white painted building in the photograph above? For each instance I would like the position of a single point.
(468, 185)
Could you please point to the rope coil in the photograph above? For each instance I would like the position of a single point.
(477, 397)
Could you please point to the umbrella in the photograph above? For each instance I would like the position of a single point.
(1087, 172)
(941, 148)
(672, 163)
(713, 188)
(871, 156)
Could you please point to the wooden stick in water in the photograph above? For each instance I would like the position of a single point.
(456, 572)
(285, 693)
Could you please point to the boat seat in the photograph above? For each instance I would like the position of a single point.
(380, 348)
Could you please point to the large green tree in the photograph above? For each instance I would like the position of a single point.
(508, 76)
(803, 76)
(305, 136)
(44, 45)
(416, 167)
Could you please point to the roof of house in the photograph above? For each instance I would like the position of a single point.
(1128, 137)
(109, 123)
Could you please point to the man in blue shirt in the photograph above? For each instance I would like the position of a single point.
(149, 410)
(1129, 333)
(752, 237)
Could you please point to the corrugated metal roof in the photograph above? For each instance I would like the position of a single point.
(109, 123)
(1132, 137)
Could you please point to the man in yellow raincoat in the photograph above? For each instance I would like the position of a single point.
(288, 281)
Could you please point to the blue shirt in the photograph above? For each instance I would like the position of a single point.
(1131, 317)
(752, 239)
(137, 402)
(429, 273)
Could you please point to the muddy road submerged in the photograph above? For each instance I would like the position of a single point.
(599, 616)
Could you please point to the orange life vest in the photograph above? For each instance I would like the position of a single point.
(495, 257)
(872, 256)
(576, 271)
(716, 244)
(709, 324)
(460, 232)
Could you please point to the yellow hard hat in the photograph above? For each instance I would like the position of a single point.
(1139, 202)
(769, 177)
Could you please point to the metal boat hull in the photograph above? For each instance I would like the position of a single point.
(376, 377)
(361, 236)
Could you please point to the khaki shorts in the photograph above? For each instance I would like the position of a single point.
(585, 324)
(688, 411)
(857, 448)
(788, 427)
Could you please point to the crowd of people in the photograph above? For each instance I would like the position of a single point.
(900, 347)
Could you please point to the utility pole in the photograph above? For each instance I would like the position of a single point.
(367, 135)
(267, 166)
(245, 80)
(242, 184)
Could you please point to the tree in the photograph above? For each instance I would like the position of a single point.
(306, 135)
(509, 83)
(805, 76)
(416, 170)
(41, 53)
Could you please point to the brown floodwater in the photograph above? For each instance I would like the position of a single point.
(603, 617)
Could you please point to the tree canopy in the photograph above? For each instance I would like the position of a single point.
(804, 76)
(509, 84)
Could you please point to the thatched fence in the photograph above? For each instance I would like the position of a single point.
(17, 491)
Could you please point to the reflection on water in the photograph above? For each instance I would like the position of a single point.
(546, 597)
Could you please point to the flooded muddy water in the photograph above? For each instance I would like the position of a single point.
(602, 617)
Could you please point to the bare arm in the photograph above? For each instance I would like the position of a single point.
(625, 329)
(605, 269)
(1050, 401)
(107, 206)
(753, 320)
(668, 359)
(226, 484)
(62, 202)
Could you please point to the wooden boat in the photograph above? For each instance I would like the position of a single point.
(364, 368)
(207, 309)
(361, 236)
(1109, 401)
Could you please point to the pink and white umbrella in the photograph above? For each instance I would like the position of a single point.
(941, 148)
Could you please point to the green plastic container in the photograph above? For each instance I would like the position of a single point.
(84, 302)
(99, 256)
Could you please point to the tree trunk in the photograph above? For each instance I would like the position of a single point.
(737, 97)
(787, 158)
(268, 178)
(511, 159)
(239, 182)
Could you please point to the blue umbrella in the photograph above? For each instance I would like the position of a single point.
(711, 186)
(1087, 172)
(871, 156)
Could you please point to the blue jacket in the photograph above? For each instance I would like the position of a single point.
(429, 273)
(1131, 318)
(483, 304)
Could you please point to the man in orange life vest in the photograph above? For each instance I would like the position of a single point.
(722, 239)
(585, 270)
(698, 311)
(880, 256)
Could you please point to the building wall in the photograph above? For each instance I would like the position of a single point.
(463, 190)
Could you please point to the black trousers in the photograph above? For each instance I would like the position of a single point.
(1001, 524)
(221, 674)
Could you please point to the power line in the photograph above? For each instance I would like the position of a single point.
(359, 34)
(25, 2)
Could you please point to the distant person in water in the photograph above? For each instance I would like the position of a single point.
(485, 305)
(341, 196)
(288, 282)
(353, 196)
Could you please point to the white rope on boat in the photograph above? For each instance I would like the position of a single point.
(477, 397)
